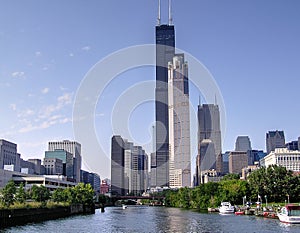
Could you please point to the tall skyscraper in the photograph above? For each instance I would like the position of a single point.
(117, 166)
(208, 128)
(243, 143)
(274, 139)
(165, 50)
(179, 123)
(72, 147)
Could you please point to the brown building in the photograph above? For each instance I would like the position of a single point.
(237, 161)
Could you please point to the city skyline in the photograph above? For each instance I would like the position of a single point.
(251, 48)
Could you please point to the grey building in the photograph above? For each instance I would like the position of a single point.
(38, 167)
(237, 161)
(179, 124)
(91, 178)
(9, 155)
(53, 166)
(274, 139)
(67, 159)
(293, 145)
(117, 166)
(243, 143)
(209, 129)
(72, 147)
(165, 50)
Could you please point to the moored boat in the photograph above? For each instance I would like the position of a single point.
(290, 214)
(226, 208)
(239, 212)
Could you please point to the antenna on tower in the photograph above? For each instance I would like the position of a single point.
(158, 18)
(170, 13)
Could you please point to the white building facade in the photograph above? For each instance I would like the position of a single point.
(179, 123)
(290, 159)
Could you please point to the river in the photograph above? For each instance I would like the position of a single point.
(157, 219)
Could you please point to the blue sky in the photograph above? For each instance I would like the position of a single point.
(46, 48)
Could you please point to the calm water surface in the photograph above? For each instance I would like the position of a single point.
(157, 219)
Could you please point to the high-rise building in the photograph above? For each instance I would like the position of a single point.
(67, 159)
(129, 168)
(117, 166)
(53, 166)
(293, 145)
(209, 128)
(274, 139)
(179, 123)
(75, 149)
(165, 50)
(9, 155)
(237, 161)
(243, 143)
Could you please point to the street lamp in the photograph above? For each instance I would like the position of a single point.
(266, 201)
(288, 198)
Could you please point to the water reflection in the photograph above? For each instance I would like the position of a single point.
(157, 219)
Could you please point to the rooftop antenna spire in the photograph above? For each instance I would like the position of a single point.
(170, 13)
(199, 100)
(216, 103)
(158, 18)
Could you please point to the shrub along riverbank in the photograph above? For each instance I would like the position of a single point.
(20, 206)
(272, 184)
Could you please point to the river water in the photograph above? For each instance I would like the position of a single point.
(157, 219)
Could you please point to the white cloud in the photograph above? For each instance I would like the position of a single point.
(13, 107)
(86, 48)
(38, 54)
(45, 90)
(71, 54)
(18, 74)
(99, 115)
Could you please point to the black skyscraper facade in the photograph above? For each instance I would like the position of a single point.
(165, 50)
(117, 166)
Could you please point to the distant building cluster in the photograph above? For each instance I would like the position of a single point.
(129, 168)
(61, 166)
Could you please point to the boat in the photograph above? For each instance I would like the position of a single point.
(240, 212)
(226, 208)
(289, 214)
(124, 207)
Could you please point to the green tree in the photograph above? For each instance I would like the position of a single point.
(59, 195)
(8, 193)
(275, 182)
(82, 194)
(231, 176)
(21, 194)
(40, 194)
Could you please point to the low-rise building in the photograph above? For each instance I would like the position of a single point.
(290, 159)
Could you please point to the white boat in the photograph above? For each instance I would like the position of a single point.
(124, 207)
(226, 208)
(289, 214)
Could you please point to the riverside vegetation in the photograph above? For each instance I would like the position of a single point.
(275, 183)
(12, 197)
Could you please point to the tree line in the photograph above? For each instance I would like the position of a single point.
(79, 194)
(274, 184)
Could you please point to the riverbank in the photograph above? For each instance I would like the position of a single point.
(14, 217)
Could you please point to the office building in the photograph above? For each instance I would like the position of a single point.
(67, 159)
(293, 145)
(237, 161)
(165, 50)
(9, 155)
(72, 147)
(290, 159)
(53, 166)
(274, 139)
(117, 166)
(209, 138)
(255, 155)
(243, 143)
(91, 178)
(179, 123)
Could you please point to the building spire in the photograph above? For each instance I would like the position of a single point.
(158, 17)
(170, 13)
